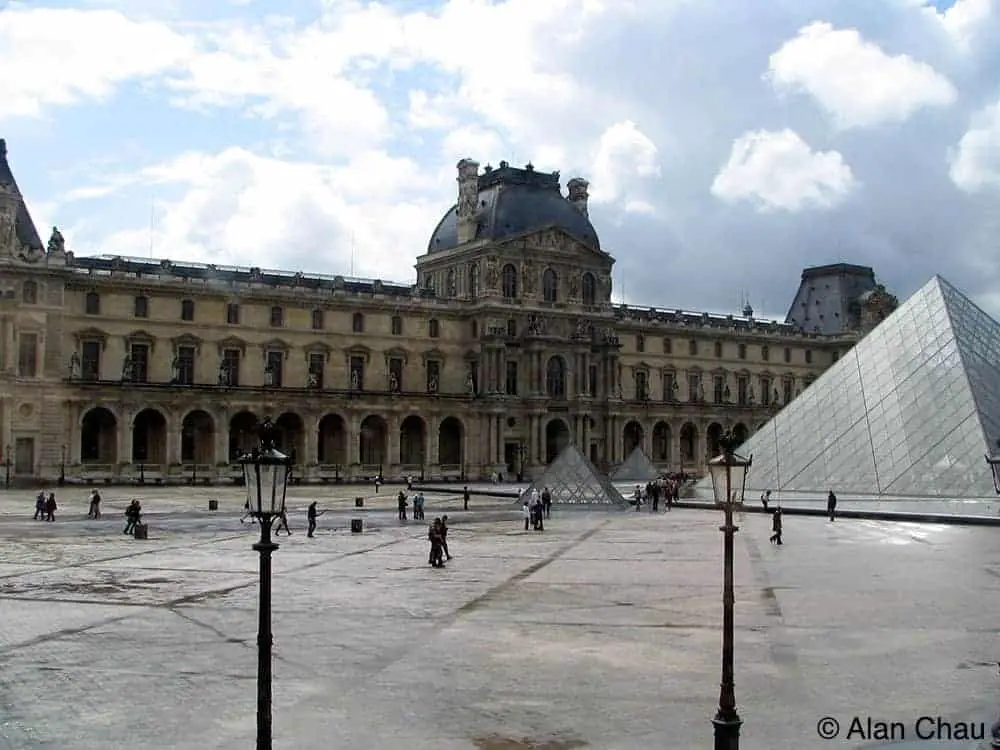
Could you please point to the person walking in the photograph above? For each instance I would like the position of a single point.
(311, 515)
(40, 506)
(776, 526)
(283, 523)
(435, 538)
(465, 498)
(444, 537)
(401, 505)
(765, 498)
(831, 505)
(50, 507)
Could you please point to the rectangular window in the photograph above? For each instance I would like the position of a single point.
(140, 307)
(187, 309)
(433, 376)
(317, 364)
(788, 390)
(233, 314)
(90, 360)
(718, 349)
(357, 373)
(788, 354)
(669, 386)
(140, 362)
(511, 387)
(277, 316)
(185, 365)
(719, 389)
(641, 385)
(27, 355)
(92, 303)
(694, 386)
(809, 356)
(742, 390)
(668, 346)
(834, 355)
(395, 375)
(231, 367)
(397, 325)
(741, 351)
(765, 391)
(273, 368)
(592, 378)
(433, 328)
(317, 320)
(693, 348)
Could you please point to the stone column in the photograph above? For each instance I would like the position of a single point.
(221, 437)
(124, 448)
(433, 441)
(353, 439)
(498, 454)
(310, 439)
(392, 425)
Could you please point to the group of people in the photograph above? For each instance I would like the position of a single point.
(45, 506)
(437, 534)
(536, 507)
(402, 503)
(665, 487)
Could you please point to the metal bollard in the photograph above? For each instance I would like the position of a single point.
(359, 502)
(357, 525)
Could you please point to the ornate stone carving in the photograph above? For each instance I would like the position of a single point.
(574, 284)
(7, 238)
(450, 285)
(604, 287)
(74, 366)
(470, 382)
(175, 370)
(529, 277)
(432, 384)
(355, 380)
(393, 383)
(128, 369)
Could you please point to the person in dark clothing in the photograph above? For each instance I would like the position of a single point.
(654, 491)
(133, 514)
(40, 506)
(765, 498)
(465, 498)
(95, 505)
(831, 504)
(434, 535)
(50, 507)
(312, 514)
(401, 502)
(547, 502)
(776, 526)
(444, 537)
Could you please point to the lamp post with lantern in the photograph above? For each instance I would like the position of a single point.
(729, 474)
(265, 475)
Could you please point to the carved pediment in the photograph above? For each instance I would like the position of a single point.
(668, 370)
(186, 339)
(434, 354)
(276, 345)
(472, 356)
(91, 334)
(397, 352)
(141, 337)
(720, 371)
(358, 350)
(694, 370)
(743, 373)
(233, 342)
(318, 347)
(642, 366)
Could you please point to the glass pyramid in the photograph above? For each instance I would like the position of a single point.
(909, 411)
(635, 468)
(573, 479)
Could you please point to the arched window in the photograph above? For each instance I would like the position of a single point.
(509, 282)
(550, 285)
(474, 280)
(29, 293)
(589, 285)
(555, 378)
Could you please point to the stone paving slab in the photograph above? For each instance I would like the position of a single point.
(603, 630)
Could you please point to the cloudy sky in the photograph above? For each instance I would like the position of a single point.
(728, 143)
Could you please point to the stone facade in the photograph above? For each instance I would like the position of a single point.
(506, 349)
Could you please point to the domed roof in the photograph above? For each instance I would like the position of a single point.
(512, 201)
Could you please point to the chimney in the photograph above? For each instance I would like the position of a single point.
(578, 194)
(468, 198)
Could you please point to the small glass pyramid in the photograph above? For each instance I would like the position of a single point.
(573, 479)
(909, 411)
(636, 468)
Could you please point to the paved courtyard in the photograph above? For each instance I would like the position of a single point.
(602, 632)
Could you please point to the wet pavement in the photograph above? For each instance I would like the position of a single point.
(601, 632)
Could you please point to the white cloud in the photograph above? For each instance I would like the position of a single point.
(857, 83)
(62, 57)
(243, 209)
(624, 153)
(975, 162)
(963, 20)
(779, 171)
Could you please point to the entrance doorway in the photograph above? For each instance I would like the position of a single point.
(24, 456)
(512, 459)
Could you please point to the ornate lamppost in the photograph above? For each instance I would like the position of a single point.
(265, 475)
(729, 473)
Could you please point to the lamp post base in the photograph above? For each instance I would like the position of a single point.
(727, 733)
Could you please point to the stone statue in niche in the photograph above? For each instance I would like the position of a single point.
(74, 366)
(312, 380)
(450, 283)
(701, 392)
(128, 369)
(57, 244)
(355, 380)
(470, 383)
(175, 370)
(750, 396)
(393, 382)
(726, 394)
(574, 285)
(528, 277)
(223, 375)
(432, 384)
(534, 325)
(604, 287)
(268, 376)
(774, 398)
(474, 279)
(492, 273)
(582, 329)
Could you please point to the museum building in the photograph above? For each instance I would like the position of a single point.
(507, 348)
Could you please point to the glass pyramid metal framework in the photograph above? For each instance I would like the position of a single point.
(909, 411)
(636, 468)
(573, 479)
